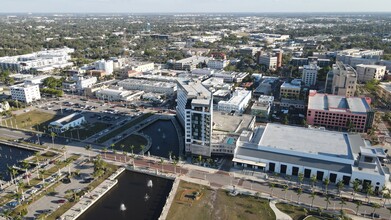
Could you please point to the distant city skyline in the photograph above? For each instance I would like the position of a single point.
(192, 6)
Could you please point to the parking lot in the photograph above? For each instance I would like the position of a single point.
(52, 201)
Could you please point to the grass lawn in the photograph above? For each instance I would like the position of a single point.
(212, 204)
(86, 132)
(31, 119)
(298, 213)
(135, 140)
(124, 127)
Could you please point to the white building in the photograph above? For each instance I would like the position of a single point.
(148, 86)
(63, 124)
(41, 61)
(85, 82)
(118, 94)
(25, 92)
(292, 150)
(217, 64)
(310, 73)
(106, 65)
(37, 80)
(237, 103)
(367, 73)
(195, 112)
(269, 61)
(190, 63)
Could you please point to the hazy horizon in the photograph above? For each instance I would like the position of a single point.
(195, 6)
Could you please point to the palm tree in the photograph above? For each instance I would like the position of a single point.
(175, 163)
(112, 146)
(386, 197)
(53, 135)
(132, 148)
(17, 196)
(88, 148)
(342, 203)
(122, 147)
(300, 178)
(169, 154)
(104, 151)
(340, 185)
(375, 206)
(326, 183)
(299, 192)
(12, 172)
(271, 186)
(369, 192)
(358, 205)
(7, 213)
(356, 187)
(312, 196)
(161, 162)
(285, 188)
(327, 199)
(142, 149)
(313, 181)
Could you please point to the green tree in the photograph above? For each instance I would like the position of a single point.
(312, 196)
(299, 193)
(358, 205)
(313, 180)
(326, 183)
(327, 200)
(272, 186)
(88, 148)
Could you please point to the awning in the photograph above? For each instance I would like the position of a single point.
(259, 164)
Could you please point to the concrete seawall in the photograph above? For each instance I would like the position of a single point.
(89, 199)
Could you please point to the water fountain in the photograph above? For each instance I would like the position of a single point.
(146, 197)
(122, 207)
(150, 184)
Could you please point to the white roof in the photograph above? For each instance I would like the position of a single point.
(305, 140)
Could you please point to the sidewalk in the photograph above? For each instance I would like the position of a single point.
(279, 215)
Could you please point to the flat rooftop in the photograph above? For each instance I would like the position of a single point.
(195, 89)
(386, 86)
(231, 123)
(336, 103)
(312, 141)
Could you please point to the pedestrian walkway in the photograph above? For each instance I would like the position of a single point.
(279, 215)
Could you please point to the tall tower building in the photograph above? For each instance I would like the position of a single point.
(310, 73)
(341, 80)
(195, 112)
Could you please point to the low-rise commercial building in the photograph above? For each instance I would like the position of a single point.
(237, 103)
(118, 94)
(25, 92)
(384, 92)
(217, 64)
(261, 108)
(339, 112)
(68, 122)
(190, 63)
(42, 61)
(291, 150)
(290, 90)
(148, 86)
(367, 73)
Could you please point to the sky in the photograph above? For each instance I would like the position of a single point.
(166, 6)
